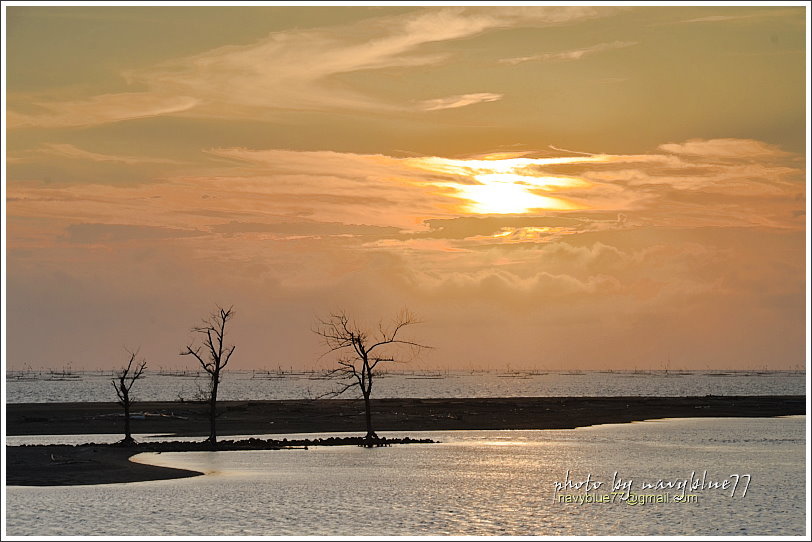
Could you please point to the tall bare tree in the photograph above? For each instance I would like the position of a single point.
(358, 353)
(123, 383)
(213, 355)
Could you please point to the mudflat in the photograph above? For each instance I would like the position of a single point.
(80, 465)
(315, 416)
(96, 464)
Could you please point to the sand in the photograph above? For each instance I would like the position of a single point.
(66, 465)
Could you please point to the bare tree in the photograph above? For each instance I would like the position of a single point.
(123, 383)
(358, 353)
(213, 356)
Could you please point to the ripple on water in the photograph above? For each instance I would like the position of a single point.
(466, 485)
(244, 386)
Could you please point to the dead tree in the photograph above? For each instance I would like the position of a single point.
(358, 353)
(213, 356)
(123, 383)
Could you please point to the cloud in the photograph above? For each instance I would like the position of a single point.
(379, 202)
(466, 227)
(715, 18)
(773, 12)
(294, 69)
(671, 246)
(726, 148)
(575, 54)
(101, 109)
(460, 100)
(305, 228)
(330, 187)
(66, 150)
(115, 233)
(510, 287)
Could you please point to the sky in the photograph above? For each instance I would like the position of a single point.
(545, 187)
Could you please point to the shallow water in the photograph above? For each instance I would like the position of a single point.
(247, 386)
(472, 483)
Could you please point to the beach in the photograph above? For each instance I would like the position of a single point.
(70, 465)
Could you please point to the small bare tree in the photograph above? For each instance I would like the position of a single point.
(358, 353)
(123, 383)
(213, 356)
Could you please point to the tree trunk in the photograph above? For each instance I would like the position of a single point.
(213, 410)
(128, 439)
(368, 410)
(127, 435)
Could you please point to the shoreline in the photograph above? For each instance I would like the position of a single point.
(91, 463)
(43, 465)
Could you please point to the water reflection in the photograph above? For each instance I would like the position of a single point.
(473, 483)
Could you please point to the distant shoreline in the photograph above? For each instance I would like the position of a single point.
(68, 465)
(246, 385)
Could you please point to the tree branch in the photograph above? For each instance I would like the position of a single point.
(341, 334)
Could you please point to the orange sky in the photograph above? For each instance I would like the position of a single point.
(546, 187)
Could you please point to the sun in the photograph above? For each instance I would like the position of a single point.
(506, 186)
(506, 193)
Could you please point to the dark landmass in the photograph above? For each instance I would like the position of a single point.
(93, 464)
(85, 464)
(327, 415)
(80, 465)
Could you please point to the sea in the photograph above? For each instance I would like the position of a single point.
(700, 477)
(669, 477)
(74, 386)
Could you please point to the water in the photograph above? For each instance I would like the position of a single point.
(473, 483)
(248, 386)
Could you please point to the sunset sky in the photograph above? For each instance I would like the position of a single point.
(547, 187)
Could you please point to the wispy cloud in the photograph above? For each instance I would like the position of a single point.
(772, 12)
(294, 69)
(66, 150)
(461, 100)
(574, 54)
(726, 148)
(281, 193)
(105, 234)
(101, 109)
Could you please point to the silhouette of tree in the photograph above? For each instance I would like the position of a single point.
(213, 356)
(123, 383)
(358, 353)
